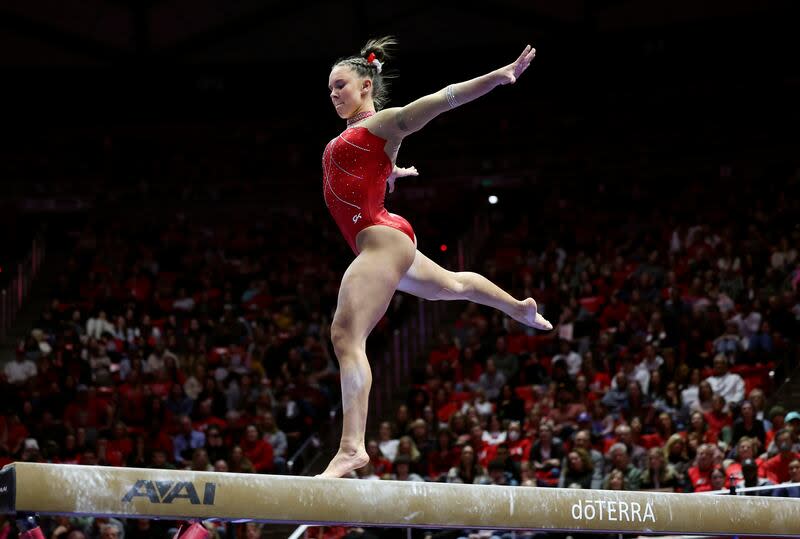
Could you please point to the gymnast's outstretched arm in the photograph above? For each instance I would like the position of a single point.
(403, 121)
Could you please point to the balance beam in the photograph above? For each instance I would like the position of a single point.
(55, 489)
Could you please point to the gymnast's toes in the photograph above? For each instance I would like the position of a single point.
(531, 316)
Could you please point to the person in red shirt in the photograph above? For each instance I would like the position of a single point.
(665, 427)
(479, 445)
(444, 456)
(597, 380)
(85, 410)
(700, 473)
(205, 417)
(120, 442)
(518, 445)
(467, 369)
(703, 429)
(257, 450)
(752, 479)
(445, 351)
(564, 416)
(108, 458)
(779, 464)
(718, 418)
(745, 449)
(380, 464)
(794, 477)
(132, 399)
(613, 312)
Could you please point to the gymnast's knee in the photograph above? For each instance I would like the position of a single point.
(343, 339)
(341, 335)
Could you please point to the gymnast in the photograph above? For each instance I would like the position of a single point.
(357, 166)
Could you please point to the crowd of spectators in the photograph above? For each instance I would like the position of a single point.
(175, 346)
(180, 345)
(658, 375)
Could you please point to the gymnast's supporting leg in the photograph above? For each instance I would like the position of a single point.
(427, 279)
(364, 295)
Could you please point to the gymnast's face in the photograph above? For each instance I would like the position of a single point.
(348, 91)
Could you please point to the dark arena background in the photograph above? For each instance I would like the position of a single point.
(170, 271)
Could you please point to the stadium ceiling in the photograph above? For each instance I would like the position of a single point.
(104, 32)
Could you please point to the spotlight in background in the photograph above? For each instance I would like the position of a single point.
(492, 199)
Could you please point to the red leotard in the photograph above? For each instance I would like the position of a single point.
(355, 168)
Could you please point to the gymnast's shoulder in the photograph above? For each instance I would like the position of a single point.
(384, 124)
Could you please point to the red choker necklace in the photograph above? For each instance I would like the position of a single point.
(358, 117)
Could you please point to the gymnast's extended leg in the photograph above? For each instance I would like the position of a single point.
(364, 295)
(427, 279)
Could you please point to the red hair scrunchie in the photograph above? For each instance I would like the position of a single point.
(371, 57)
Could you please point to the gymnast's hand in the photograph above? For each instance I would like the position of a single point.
(400, 172)
(510, 73)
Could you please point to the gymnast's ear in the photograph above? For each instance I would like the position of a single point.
(366, 84)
